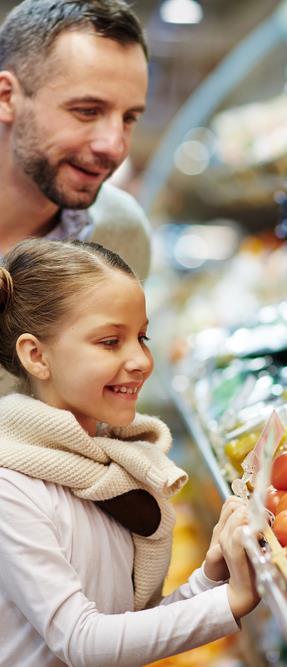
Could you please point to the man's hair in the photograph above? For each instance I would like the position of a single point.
(29, 31)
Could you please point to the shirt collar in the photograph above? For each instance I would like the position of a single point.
(70, 224)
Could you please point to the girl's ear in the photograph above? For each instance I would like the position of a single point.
(32, 356)
(9, 89)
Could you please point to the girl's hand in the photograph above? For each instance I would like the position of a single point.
(242, 593)
(215, 566)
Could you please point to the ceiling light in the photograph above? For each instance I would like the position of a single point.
(181, 11)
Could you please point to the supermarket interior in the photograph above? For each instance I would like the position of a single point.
(208, 165)
(215, 189)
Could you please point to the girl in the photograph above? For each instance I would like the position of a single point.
(85, 521)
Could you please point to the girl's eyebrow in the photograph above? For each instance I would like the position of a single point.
(115, 325)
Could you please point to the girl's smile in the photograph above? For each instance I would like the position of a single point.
(126, 391)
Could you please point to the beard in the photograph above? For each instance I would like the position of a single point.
(35, 164)
(46, 177)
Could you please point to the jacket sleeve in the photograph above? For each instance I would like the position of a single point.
(36, 576)
(197, 583)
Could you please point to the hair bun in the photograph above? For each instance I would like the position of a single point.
(6, 289)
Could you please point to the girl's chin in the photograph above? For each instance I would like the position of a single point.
(124, 421)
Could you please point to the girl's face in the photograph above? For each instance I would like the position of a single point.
(99, 360)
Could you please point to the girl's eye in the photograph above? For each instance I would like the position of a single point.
(110, 342)
(143, 338)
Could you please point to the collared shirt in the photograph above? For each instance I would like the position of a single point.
(72, 224)
(116, 221)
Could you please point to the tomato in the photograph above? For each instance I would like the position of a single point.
(279, 472)
(280, 527)
(273, 498)
(282, 505)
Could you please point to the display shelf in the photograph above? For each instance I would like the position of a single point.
(255, 649)
(198, 435)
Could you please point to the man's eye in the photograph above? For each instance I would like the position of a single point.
(129, 120)
(86, 113)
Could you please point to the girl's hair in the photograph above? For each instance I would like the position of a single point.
(39, 280)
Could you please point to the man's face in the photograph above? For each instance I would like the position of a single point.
(76, 130)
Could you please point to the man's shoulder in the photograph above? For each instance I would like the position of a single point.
(121, 225)
(112, 201)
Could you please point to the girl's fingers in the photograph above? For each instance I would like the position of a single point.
(236, 519)
(230, 506)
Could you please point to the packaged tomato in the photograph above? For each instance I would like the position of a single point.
(279, 472)
(280, 527)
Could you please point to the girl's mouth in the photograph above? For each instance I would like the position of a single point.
(127, 392)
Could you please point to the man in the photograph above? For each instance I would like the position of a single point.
(73, 82)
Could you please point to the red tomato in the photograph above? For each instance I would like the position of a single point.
(280, 527)
(282, 505)
(273, 498)
(279, 472)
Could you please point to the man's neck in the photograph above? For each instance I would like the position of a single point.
(23, 214)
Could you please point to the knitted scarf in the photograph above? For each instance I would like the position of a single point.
(48, 443)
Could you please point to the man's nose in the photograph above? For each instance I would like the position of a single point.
(109, 140)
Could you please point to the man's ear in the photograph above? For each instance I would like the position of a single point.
(9, 88)
(31, 353)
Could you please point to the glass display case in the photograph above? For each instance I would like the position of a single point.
(216, 190)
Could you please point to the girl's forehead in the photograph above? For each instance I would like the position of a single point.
(116, 283)
(114, 293)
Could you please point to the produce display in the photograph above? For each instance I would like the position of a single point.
(235, 386)
(277, 497)
(225, 346)
(264, 537)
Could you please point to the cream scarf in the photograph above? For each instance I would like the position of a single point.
(49, 444)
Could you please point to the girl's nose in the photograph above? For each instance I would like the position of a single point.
(141, 361)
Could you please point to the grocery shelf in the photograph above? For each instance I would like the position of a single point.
(198, 435)
(267, 615)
